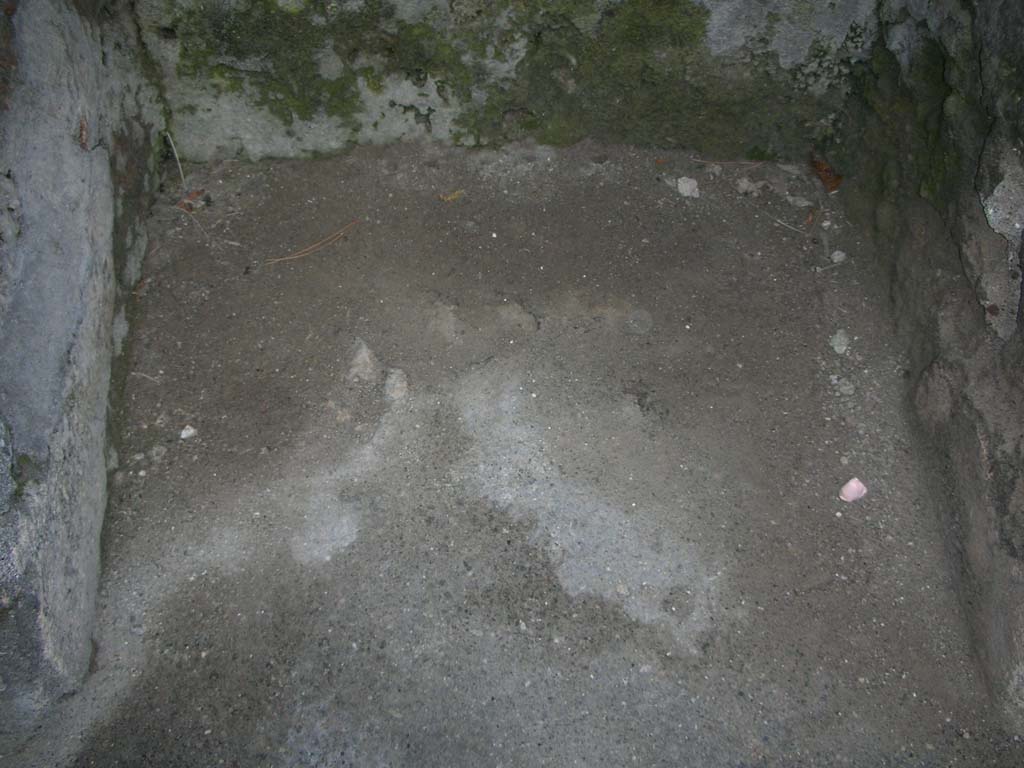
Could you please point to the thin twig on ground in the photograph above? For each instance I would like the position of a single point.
(827, 268)
(825, 247)
(788, 226)
(309, 249)
(753, 163)
(174, 149)
(198, 223)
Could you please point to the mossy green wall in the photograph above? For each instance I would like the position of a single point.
(637, 71)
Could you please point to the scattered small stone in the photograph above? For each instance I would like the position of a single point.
(747, 187)
(365, 366)
(714, 170)
(157, 453)
(846, 387)
(799, 202)
(189, 432)
(838, 257)
(396, 385)
(840, 342)
(639, 322)
(853, 490)
(687, 187)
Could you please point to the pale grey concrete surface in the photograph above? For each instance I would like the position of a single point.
(544, 473)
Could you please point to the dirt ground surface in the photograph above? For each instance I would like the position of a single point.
(537, 464)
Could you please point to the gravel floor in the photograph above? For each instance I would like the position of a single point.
(536, 463)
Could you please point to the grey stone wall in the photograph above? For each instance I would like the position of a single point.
(933, 147)
(77, 130)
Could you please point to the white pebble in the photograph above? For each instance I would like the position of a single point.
(840, 342)
(687, 187)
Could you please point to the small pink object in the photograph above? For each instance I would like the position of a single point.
(853, 490)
